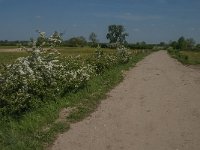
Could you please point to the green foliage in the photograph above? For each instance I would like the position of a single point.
(116, 34)
(93, 39)
(198, 46)
(102, 61)
(42, 76)
(10, 57)
(7, 43)
(35, 87)
(39, 77)
(186, 57)
(141, 45)
(193, 57)
(183, 44)
(123, 55)
(36, 129)
(76, 42)
(179, 56)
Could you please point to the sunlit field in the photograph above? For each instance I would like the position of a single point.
(9, 57)
(10, 53)
(193, 56)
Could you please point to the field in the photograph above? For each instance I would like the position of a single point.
(193, 57)
(4, 48)
(9, 53)
(186, 57)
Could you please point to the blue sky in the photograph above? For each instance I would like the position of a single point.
(151, 21)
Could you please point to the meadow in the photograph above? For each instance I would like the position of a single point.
(193, 57)
(9, 54)
(186, 57)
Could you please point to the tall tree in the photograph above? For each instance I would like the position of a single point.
(182, 43)
(93, 39)
(116, 34)
(185, 44)
(190, 43)
(77, 42)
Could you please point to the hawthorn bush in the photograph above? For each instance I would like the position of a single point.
(43, 76)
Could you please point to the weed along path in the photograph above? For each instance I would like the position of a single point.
(156, 107)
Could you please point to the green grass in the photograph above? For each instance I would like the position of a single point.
(7, 57)
(7, 47)
(37, 129)
(193, 57)
(186, 57)
(82, 50)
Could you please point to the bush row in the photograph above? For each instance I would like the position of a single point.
(43, 76)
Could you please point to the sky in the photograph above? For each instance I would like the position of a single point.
(152, 21)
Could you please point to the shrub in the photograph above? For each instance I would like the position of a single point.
(101, 61)
(42, 76)
(123, 55)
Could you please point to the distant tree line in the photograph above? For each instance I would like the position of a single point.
(184, 44)
(13, 43)
(79, 41)
(116, 36)
(141, 45)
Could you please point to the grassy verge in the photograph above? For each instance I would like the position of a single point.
(186, 57)
(193, 57)
(37, 129)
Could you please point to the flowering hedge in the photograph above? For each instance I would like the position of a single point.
(102, 61)
(42, 76)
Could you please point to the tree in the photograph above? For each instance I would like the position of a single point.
(190, 43)
(185, 44)
(182, 43)
(57, 36)
(55, 39)
(173, 44)
(162, 44)
(197, 47)
(116, 34)
(40, 41)
(93, 39)
(77, 41)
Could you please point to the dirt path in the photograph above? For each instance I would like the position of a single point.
(156, 107)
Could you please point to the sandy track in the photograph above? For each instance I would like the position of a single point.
(156, 107)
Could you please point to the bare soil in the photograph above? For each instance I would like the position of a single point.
(156, 107)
